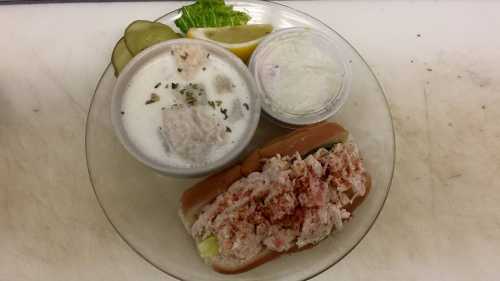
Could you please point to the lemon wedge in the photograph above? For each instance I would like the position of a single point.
(241, 40)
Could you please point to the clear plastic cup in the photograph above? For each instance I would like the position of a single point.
(301, 76)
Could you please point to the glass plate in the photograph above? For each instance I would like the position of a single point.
(142, 205)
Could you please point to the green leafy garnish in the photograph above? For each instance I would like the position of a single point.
(210, 13)
(208, 247)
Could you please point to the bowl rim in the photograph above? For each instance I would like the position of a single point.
(150, 54)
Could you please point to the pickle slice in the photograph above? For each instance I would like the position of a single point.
(121, 56)
(141, 34)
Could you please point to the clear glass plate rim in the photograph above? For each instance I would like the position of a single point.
(101, 205)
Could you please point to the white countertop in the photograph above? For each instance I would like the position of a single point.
(438, 61)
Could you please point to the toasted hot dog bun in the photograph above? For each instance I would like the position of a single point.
(303, 141)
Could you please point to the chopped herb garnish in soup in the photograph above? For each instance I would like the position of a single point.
(224, 112)
(153, 98)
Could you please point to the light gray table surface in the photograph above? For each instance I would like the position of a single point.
(439, 62)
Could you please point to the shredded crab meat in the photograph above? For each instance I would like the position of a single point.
(292, 203)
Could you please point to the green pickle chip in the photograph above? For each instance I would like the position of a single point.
(142, 34)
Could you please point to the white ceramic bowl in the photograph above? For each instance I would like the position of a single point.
(156, 51)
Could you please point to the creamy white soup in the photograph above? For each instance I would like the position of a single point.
(187, 107)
